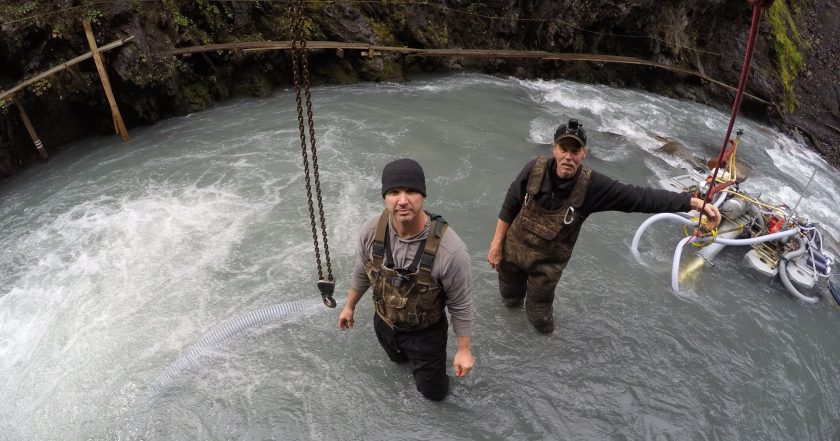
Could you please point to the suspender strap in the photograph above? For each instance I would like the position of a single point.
(389, 256)
(432, 243)
(582, 184)
(379, 238)
(427, 262)
(424, 258)
(535, 179)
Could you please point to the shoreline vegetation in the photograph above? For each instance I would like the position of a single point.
(793, 66)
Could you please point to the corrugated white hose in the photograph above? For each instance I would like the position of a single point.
(189, 359)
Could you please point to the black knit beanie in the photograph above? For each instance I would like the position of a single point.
(403, 173)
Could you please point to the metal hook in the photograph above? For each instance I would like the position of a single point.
(327, 287)
(567, 219)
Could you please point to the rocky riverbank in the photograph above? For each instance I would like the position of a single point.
(794, 67)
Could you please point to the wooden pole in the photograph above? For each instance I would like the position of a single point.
(119, 126)
(60, 67)
(39, 146)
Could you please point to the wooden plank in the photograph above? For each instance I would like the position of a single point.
(119, 126)
(371, 50)
(39, 146)
(62, 66)
(479, 53)
(254, 46)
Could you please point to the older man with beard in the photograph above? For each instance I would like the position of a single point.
(543, 212)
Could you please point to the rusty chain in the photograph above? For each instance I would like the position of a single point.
(300, 68)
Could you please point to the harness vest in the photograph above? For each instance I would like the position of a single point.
(540, 236)
(406, 299)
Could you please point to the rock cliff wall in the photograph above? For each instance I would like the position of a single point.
(794, 66)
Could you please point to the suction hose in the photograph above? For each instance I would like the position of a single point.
(784, 275)
(754, 240)
(675, 265)
(189, 359)
(634, 247)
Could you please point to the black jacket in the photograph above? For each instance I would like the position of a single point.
(604, 194)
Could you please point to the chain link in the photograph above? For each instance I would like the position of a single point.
(305, 64)
(300, 67)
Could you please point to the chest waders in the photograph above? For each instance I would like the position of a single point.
(538, 246)
(406, 299)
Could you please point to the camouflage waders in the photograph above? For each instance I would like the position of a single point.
(406, 299)
(538, 246)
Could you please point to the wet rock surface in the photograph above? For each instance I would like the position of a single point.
(818, 88)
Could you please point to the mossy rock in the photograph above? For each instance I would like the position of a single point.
(381, 69)
(220, 90)
(193, 98)
(337, 72)
(253, 83)
(787, 46)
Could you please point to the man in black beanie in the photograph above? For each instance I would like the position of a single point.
(417, 267)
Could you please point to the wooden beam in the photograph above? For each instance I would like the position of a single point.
(119, 126)
(39, 146)
(255, 46)
(62, 66)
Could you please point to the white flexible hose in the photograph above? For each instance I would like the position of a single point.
(752, 240)
(675, 265)
(634, 246)
(784, 275)
(189, 359)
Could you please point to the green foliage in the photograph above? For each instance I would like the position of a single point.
(181, 20)
(383, 33)
(799, 5)
(17, 10)
(438, 34)
(57, 31)
(787, 46)
(217, 16)
(251, 36)
(93, 14)
(283, 24)
(182, 66)
(39, 88)
(175, 12)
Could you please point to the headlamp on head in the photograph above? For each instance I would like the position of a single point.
(573, 129)
(572, 126)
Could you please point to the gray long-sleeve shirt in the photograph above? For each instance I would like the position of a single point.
(452, 269)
